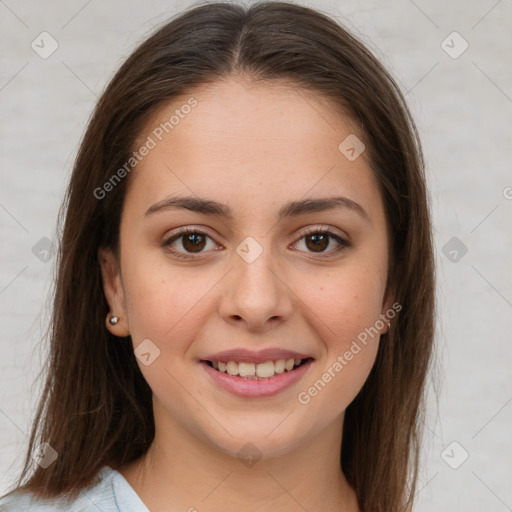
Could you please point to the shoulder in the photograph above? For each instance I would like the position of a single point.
(100, 495)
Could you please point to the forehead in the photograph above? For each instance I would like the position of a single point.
(246, 141)
(269, 111)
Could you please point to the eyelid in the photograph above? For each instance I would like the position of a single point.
(342, 240)
(178, 233)
(323, 228)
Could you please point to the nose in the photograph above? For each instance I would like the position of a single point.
(256, 293)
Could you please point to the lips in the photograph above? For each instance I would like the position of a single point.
(256, 365)
(257, 387)
(262, 373)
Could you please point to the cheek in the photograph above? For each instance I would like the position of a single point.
(345, 325)
(344, 310)
(344, 304)
(163, 302)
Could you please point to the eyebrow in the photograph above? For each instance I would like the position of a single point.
(291, 209)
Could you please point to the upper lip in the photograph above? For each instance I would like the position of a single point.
(255, 356)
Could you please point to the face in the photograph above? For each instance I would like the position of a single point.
(273, 280)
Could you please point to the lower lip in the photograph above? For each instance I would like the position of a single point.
(250, 388)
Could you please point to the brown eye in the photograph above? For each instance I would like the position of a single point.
(318, 241)
(187, 242)
(193, 242)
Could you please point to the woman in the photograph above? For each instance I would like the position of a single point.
(244, 307)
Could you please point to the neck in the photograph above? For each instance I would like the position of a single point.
(193, 474)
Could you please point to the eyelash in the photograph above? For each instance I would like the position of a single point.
(344, 244)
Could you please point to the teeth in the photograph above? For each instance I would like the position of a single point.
(253, 371)
(265, 369)
(232, 367)
(246, 369)
(279, 365)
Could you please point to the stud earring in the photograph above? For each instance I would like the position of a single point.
(113, 320)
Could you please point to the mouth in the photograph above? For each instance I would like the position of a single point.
(266, 370)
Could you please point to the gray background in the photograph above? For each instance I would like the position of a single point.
(463, 108)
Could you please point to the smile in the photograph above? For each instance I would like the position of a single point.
(256, 371)
(256, 380)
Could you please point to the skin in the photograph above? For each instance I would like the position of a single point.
(252, 147)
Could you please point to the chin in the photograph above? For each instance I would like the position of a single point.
(263, 439)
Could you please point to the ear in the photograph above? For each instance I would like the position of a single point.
(387, 307)
(114, 292)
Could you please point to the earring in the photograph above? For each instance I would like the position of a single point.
(113, 320)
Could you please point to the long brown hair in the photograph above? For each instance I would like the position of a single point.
(96, 407)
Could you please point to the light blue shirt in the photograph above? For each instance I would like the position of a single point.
(112, 493)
